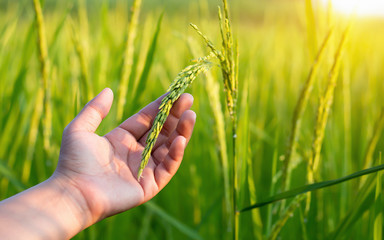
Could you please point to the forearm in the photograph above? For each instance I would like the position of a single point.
(46, 211)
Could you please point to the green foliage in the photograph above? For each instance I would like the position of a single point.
(90, 45)
(313, 187)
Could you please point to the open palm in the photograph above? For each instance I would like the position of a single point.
(104, 168)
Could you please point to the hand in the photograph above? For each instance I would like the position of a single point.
(103, 169)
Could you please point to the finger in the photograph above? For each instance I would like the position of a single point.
(184, 128)
(183, 104)
(141, 122)
(93, 113)
(167, 169)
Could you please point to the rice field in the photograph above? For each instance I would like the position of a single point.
(303, 104)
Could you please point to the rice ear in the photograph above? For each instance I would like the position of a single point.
(177, 87)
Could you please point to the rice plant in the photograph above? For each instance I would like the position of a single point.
(291, 107)
(178, 86)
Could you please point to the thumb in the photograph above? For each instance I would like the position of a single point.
(93, 113)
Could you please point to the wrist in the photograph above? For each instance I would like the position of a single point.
(54, 209)
(72, 201)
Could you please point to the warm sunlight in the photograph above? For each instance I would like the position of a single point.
(362, 7)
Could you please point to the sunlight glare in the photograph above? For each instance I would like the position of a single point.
(362, 7)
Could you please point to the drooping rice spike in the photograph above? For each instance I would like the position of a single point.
(177, 87)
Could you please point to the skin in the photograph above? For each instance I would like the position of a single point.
(96, 175)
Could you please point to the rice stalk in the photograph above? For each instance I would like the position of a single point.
(208, 42)
(44, 69)
(226, 61)
(85, 83)
(247, 165)
(142, 81)
(378, 129)
(42, 44)
(285, 216)
(366, 186)
(273, 184)
(229, 70)
(301, 105)
(326, 102)
(321, 121)
(42, 97)
(377, 132)
(212, 90)
(228, 58)
(324, 109)
(228, 66)
(347, 134)
(177, 87)
(378, 207)
(128, 58)
(303, 222)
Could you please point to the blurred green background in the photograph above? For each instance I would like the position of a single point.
(277, 45)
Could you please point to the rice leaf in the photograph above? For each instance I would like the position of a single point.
(148, 64)
(378, 208)
(128, 58)
(313, 187)
(300, 107)
(285, 216)
(366, 186)
(86, 91)
(377, 132)
(173, 221)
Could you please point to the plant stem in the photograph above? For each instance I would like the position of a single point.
(299, 111)
(235, 180)
(42, 111)
(128, 58)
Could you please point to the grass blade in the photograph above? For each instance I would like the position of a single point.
(86, 92)
(313, 187)
(45, 68)
(212, 89)
(366, 185)
(378, 208)
(173, 221)
(378, 129)
(325, 108)
(299, 111)
(128, 59)
(148, 64)
(285, 216)
(362, 201)
(323, 113)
